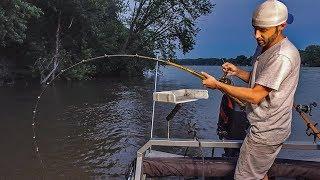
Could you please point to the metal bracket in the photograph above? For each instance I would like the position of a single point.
(171, 115)
(173, 112)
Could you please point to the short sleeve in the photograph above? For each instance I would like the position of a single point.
(274, 72)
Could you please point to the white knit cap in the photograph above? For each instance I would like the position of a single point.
(270, 13)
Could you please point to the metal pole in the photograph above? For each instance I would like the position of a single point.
(154, 102)
(168, 129)
(139, 166)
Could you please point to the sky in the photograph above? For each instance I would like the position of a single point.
(227, 31)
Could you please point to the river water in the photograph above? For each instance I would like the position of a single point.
(94, 128)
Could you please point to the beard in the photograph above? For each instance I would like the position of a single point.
(263, 42)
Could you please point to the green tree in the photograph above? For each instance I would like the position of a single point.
(161, 25)
(14, 17)
(87, 28)
(242, 60)
(164, 25)
(48, 35)
(311, 55)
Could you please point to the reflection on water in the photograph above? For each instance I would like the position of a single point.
(94, 128)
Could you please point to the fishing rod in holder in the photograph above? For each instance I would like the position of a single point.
(304, 111)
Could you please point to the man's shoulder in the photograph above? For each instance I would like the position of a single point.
(288, 50)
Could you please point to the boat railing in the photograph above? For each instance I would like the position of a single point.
(165, 142)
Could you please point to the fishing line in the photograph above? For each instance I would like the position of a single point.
(38, 100)
(35, 113)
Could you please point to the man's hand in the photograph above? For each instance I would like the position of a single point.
(230, 69)
(210, 81)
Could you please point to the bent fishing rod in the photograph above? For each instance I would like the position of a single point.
(223, 79)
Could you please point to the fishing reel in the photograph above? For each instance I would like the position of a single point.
(225, 80)
(228, 81)
(192, 129)
(306, 108)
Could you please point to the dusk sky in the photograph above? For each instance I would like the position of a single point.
(227, 31)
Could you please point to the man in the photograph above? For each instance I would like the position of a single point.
(272, 84)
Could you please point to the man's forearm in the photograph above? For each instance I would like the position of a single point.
(242, 93)
(244, 75)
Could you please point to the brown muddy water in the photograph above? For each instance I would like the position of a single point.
(92, 129)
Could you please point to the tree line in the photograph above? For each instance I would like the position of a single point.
(239, 60)
(310, 57)
(38, 38)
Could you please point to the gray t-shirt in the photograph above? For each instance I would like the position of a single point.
(276, 68)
